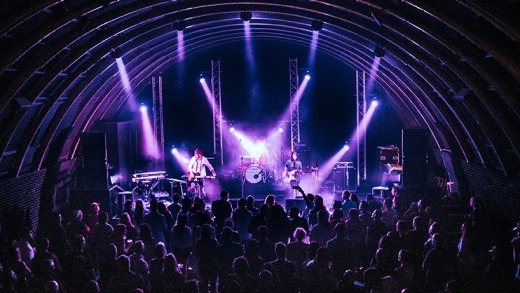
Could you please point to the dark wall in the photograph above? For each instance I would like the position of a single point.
(500, 195)
(20, 202)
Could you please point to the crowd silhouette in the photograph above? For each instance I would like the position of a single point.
(187, 246)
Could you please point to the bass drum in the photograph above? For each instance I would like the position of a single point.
(254, 174)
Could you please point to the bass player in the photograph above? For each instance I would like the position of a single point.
(293, 170)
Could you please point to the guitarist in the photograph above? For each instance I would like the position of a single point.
(197, 172)
(293, 171)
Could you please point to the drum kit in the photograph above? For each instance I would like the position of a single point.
(257, 170)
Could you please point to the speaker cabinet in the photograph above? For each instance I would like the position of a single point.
(299, 203)
(94, 173)
(415, 157)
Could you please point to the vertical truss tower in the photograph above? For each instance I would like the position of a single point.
(295, 115)
(361, 135)
(217, 113)
(158, 124)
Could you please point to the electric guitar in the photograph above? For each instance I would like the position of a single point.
(292, 174)
(192, 176)
(289, 176)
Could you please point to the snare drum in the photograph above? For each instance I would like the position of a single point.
(254, 174)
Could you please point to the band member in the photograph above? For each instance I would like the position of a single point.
(293, 170)
(197, 172)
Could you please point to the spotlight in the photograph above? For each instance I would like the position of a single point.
(246, 15)
(280, 129)
(307, 76)
(116, 53)
(202, 80)
(346, 146)
(232, 129)
(379, 51)
(317, 25)
(375, 102)
(143, 108)
(179, 25)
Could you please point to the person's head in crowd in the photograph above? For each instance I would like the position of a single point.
(103, 217)
(318, 200)
(145, 232)
(337, 215)
(51, 286)
(294, 212)
(170, 263)
(240, 265)
(322, 254)
(299, 234)
(138, 247)
(250, 200)
(123, 263)
(224, 195)
(280, 250)
(336, 205)
(226, 234)
(251, 248)
(242, 203)
(160, 250)
(205, 232)
(377, 214)
(270, 200)
(313, 249)
(125, 219)
(323, 217)
(263, 232)
(264, 209)
(182, 220)
(340, 229)
(353, 214)
(176, 197)
(345, 195)
(91, 287)
(111, 251)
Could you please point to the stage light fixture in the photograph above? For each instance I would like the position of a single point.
(246, 15)
(232, 129)
(379, 52)
(346, 146)
(116, 53)
(316, 25)
(307, 76)
(179, 25)
(143, 108)
(375, 102)
(280, 129)
(202, 80)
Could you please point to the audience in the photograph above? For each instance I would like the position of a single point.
(177, 249)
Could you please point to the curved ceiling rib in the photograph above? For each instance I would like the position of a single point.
(452, 67)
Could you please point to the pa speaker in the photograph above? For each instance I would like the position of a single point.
(299, 203)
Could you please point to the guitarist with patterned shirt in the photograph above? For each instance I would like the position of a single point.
(197, 172)
(293, 171)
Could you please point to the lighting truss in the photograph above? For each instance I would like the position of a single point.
(293, 89)
(158, 124)
(361, 139)
(217, 113)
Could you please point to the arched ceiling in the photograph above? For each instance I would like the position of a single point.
(451, 66)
